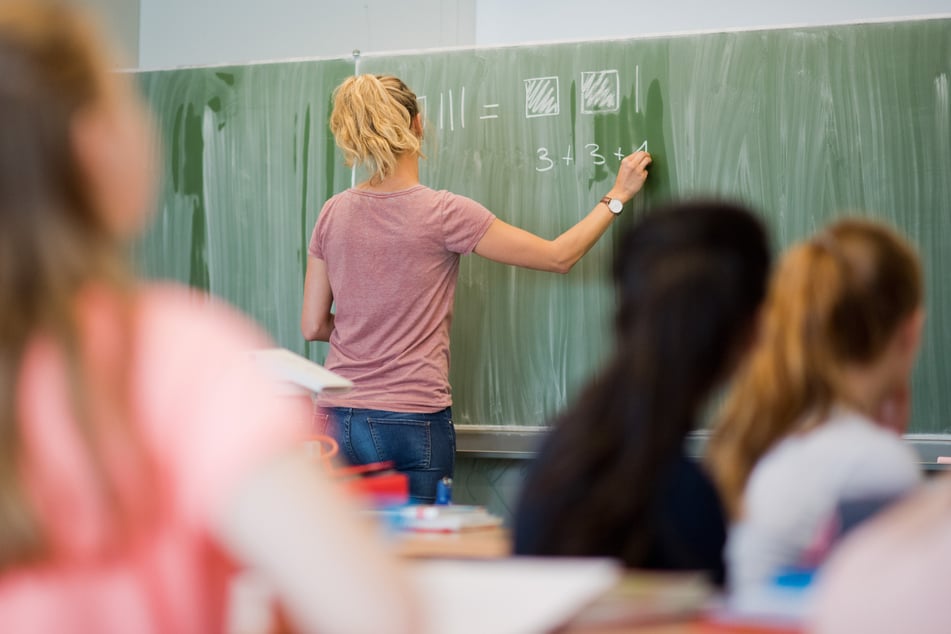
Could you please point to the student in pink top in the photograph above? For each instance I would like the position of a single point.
(141, 456)
(386, 252)
(891, 574)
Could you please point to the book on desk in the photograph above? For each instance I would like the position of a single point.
(438, 518)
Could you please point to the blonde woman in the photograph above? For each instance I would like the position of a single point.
(141, 457)
(813, 419)
(386, 252)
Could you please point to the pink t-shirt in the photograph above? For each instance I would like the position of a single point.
(205, 417)
(393, 260)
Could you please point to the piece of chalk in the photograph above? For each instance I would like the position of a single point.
(944, 460)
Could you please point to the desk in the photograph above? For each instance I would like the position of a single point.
(490, 543)
(495, 543)
(651, 602)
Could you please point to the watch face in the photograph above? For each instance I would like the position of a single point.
(615, 205)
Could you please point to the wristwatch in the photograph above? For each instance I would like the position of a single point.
(615, 205)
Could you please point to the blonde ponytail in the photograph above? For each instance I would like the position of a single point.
(834, 300)
(372, 122)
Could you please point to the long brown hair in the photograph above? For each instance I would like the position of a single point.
(690, 279)
(835, 300)
(54, 243)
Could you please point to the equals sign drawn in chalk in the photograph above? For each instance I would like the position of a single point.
(490, 106)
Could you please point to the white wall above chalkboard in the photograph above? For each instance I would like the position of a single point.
(202, 32)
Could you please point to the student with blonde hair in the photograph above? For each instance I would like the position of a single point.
(813, 419)
(141, 456)
(386, 253)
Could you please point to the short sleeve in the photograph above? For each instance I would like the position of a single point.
(315, 248)
(464, 222)
(212, 415)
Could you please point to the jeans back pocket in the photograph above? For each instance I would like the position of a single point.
(405, 441)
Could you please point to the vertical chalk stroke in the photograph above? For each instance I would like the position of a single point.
(600, 91)
(421, 104)
(541, 97)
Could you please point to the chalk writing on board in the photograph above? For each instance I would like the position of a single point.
(491, 109)
(598, 159)
(541, 97)
(600, 94)
(592, 155)
(449, 105)
(600, 91)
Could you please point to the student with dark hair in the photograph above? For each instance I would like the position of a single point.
(613, 478)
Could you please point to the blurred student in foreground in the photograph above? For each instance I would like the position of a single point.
(613, 478)
(140, 454)
(891, 574)
(813, 419)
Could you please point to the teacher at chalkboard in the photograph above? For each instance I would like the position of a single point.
(387, 252)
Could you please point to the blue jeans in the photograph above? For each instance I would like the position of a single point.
(423, 446)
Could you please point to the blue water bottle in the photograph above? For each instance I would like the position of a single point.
(444, 491)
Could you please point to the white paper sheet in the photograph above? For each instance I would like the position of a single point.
(519, 595)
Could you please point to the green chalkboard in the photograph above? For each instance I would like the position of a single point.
(805, 124)
(248, 161)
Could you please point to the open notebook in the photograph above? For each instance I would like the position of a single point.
(518, 595)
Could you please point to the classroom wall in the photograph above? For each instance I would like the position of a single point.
(500, 22)
(121, 19)
(198, 32)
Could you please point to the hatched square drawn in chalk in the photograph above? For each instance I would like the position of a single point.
(541, 97)
(600, 91)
